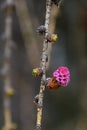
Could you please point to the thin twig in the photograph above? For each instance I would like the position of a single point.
(43, 65)
(7, 8)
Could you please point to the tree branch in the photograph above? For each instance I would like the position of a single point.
(6, 70)
(43, 65)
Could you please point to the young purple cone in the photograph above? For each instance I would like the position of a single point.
(62, 75)
(61, 78)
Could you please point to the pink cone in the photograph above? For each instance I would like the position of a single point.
(62, 75)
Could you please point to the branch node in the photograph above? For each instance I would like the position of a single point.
(41, 29)
(36, 99)
(44, 57)
(38, 127)
(8, 6)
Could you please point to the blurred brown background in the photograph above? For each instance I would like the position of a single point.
(64, 109)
